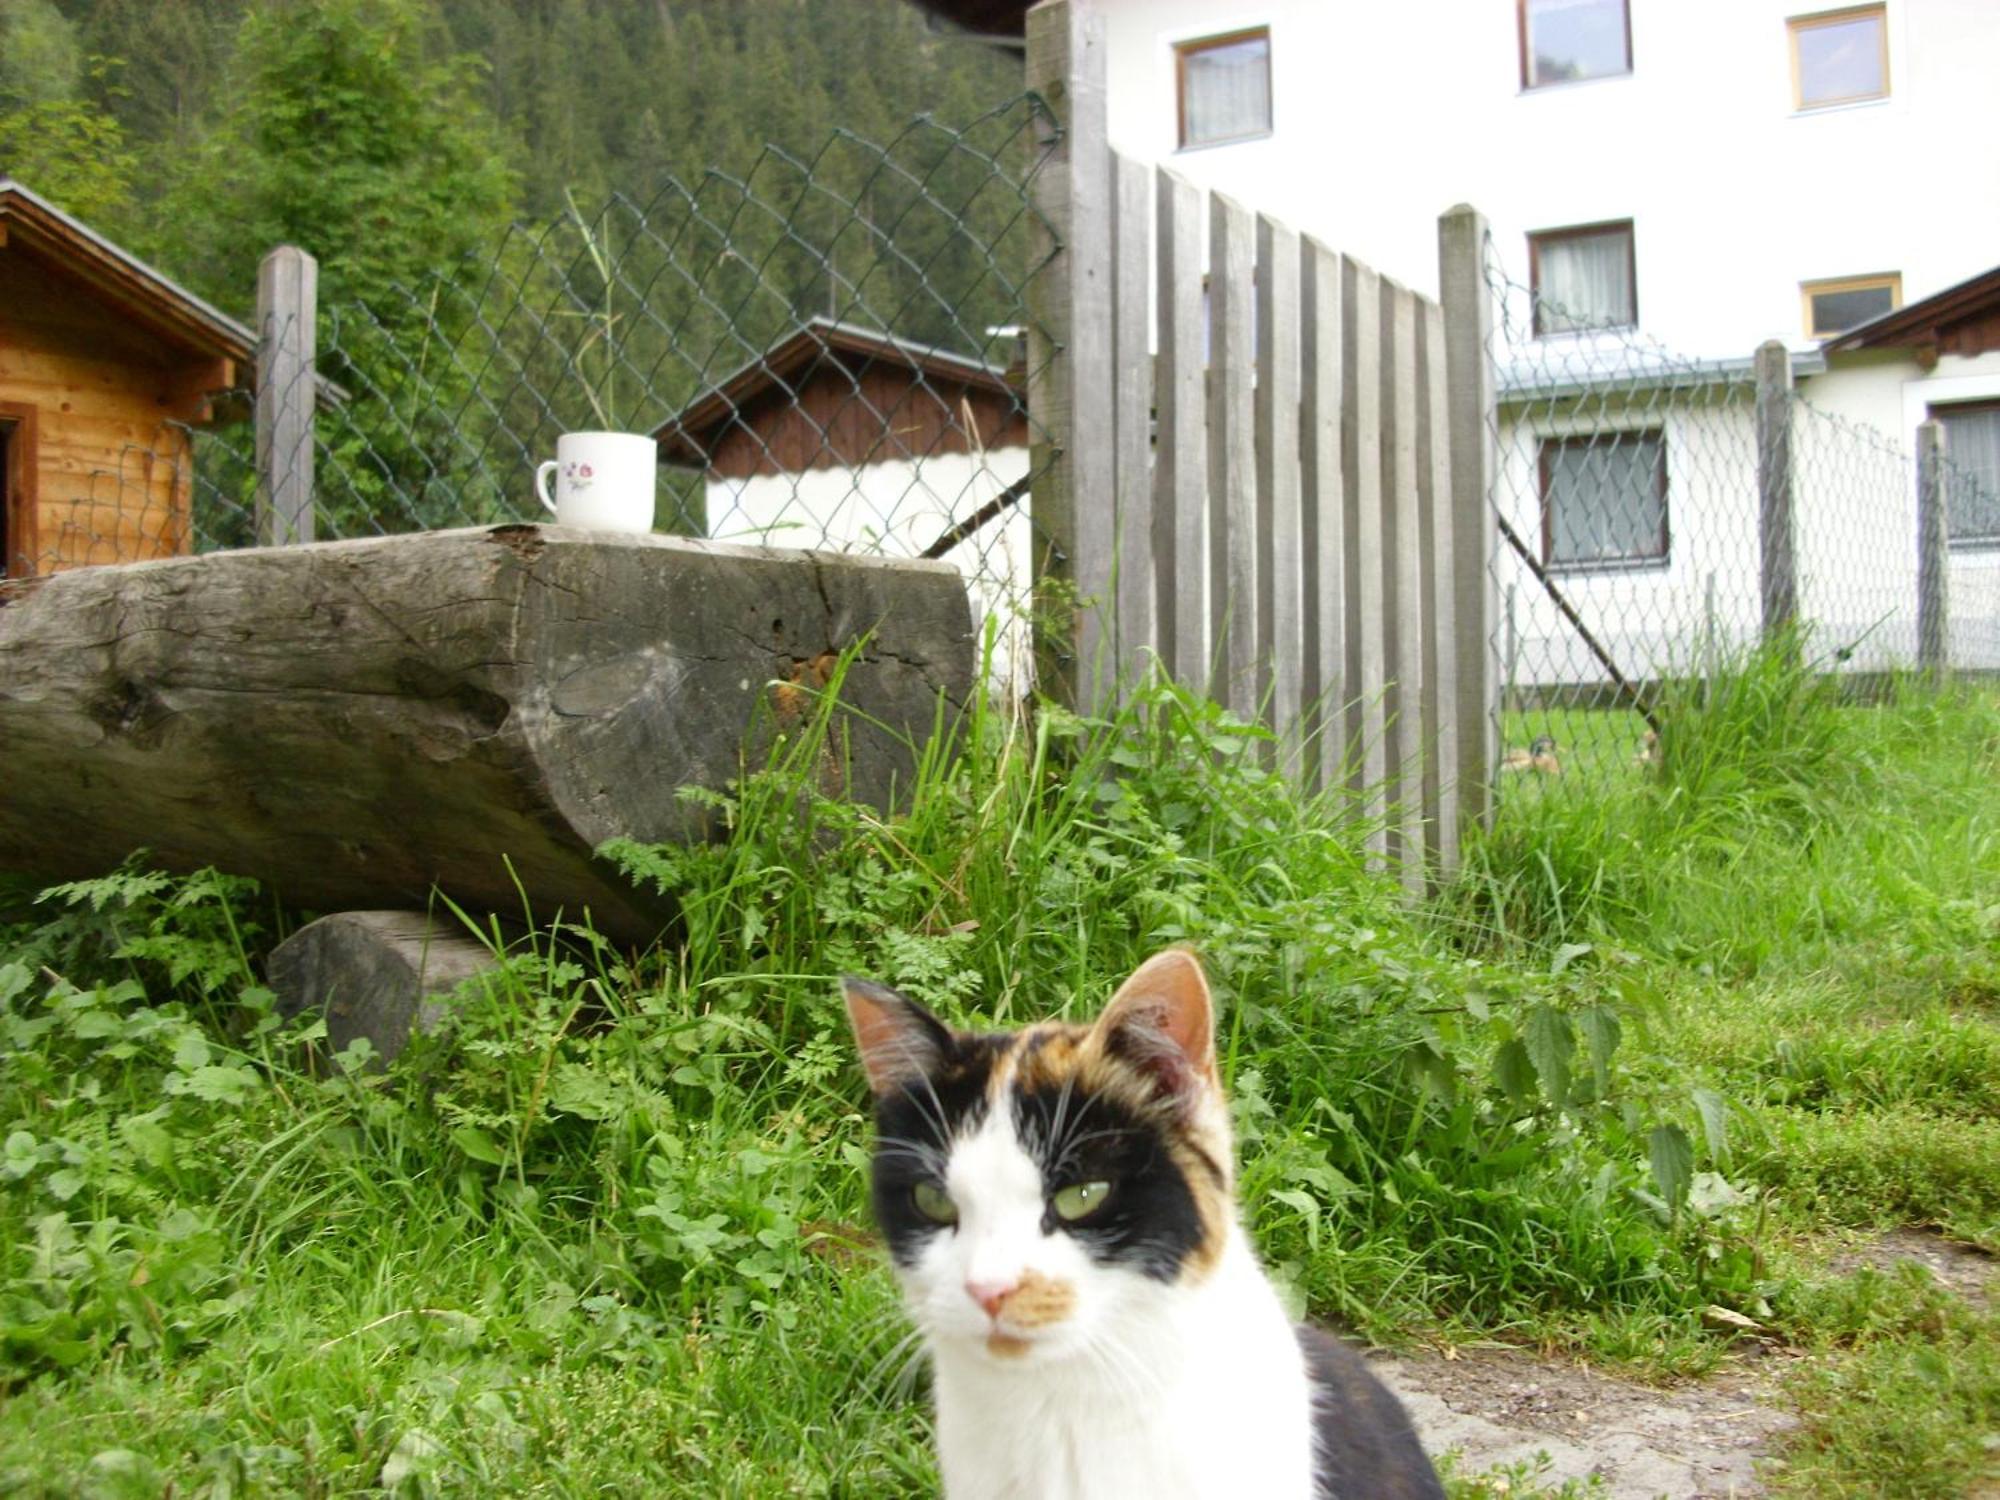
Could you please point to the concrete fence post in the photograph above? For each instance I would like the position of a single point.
(287, 391)
(1070, 368)
(1472, 432)
(1777, 544)
(1933, 555)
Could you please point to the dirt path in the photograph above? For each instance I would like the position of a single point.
(1699, 1440)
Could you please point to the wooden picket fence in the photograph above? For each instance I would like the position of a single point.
(1286, 505)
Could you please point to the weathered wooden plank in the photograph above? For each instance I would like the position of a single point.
(1180, 467)
(1441, 605)
(357, 721)
(287, 394)
(1232, 454)
(1403, 595)
(1364, 565)
(1322, 535)
(1137, 640)
(1280, 623)
(1467, 301)
(1069, 343)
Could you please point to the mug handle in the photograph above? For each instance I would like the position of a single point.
(542, 472)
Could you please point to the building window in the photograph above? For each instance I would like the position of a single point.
(1972, 472)
(1566, 41)
(1840, 57)
(1604, 500)
(1224, 86)
(1583, 278)
(1833, 307)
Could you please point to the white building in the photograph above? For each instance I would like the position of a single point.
(847, 439)
(1669, 184)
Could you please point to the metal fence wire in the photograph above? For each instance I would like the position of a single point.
(830, 349)
(1638, 549)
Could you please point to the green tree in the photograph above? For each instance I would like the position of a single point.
(342, 130)
(52, 137)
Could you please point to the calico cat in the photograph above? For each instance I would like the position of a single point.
(1059, 1207)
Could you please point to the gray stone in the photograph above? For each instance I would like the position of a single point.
(383, 975)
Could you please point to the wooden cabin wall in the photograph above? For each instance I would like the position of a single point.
(111, 470)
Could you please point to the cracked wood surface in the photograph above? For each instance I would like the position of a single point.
(354, 722)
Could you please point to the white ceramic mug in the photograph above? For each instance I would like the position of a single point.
(604, 480)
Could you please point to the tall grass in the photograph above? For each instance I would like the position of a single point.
(604, 1233)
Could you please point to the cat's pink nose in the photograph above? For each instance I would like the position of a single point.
(991, 1295)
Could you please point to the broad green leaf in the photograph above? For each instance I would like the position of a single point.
(1601, 1033)
(1566, 955)
(478, 1145)
(1514, 1072)
(1714, 1125)
(1672, 1155)
(1551, 1042)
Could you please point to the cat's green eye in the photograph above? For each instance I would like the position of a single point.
(1080, 1200)
(934, 1203)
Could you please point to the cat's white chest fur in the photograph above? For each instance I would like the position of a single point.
(1194, 1393)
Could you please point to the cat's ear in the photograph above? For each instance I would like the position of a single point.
(1163, 1020)
(898, 1039)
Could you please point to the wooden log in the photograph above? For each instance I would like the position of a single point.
(382, 975)
(355, 722)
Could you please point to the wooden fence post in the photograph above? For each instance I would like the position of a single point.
(1070, 402)
(287, 391)
(1933, 554)
(1473, 439)
(1777, 543)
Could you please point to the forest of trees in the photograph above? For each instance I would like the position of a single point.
(528, 212)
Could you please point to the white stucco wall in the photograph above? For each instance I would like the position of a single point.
(1385, 115)
(898, 509)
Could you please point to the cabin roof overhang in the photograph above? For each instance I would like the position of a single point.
(689, 436)
(32, 225)
(1961, 319)
(1001, 20)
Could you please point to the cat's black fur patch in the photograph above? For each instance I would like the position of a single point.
(1363, 1443)
(952, 1096)
(1149, 1221)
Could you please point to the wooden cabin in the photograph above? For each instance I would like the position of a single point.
(105, 365)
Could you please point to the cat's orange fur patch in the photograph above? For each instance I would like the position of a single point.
(1039, 1300)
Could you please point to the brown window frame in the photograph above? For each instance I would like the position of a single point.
(1796, 24)
(1521, 31)
(1184, 50)
(17, 524)
(1810, 289)
(1940, 412)
(1663, 558)
(1539, 237)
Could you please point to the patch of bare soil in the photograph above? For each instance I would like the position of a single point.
(1696, 1441)
(1964, 1269)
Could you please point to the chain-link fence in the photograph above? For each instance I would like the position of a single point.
(1660, 516)
(829, 349)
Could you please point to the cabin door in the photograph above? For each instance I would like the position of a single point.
(17, 491)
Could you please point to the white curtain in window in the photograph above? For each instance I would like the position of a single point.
(1585, 281)
(1228, 91)
(1972, 496)
(1604, 500)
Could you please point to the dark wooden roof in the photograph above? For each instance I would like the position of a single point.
(834, 394)
(1962, 319)
(117, 279)
(996, 18)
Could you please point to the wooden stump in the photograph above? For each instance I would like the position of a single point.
(376, 974)
(479, 710)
